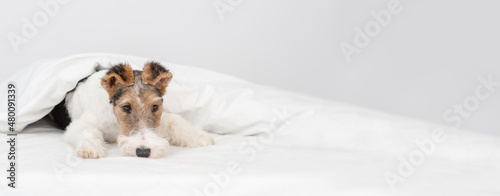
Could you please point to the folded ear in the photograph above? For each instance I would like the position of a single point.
(155, 74)
(120, 75)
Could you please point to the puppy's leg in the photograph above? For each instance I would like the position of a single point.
(87, 140)
(182, 133)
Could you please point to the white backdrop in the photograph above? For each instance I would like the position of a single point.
(424, 59)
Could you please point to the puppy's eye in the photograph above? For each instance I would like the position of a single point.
(155, 108)
(127, 108)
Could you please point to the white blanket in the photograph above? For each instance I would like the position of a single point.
(268, 142)
(216, 102)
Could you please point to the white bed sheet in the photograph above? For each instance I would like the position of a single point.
(313, 147)
(300, 160)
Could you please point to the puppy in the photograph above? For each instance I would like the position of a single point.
(126, 106)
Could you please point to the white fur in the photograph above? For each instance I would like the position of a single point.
(93, 124)
(146, 138)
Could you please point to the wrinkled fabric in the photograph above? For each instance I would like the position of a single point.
(268, 142)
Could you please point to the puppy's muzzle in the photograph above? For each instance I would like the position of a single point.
(143, 152)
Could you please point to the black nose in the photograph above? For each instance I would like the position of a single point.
(143, 151)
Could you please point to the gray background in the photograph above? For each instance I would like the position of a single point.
(428, 58)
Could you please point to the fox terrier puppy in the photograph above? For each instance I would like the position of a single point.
(126, 106)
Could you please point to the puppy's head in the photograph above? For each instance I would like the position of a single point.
(137, 102)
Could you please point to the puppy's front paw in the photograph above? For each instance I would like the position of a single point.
(202, 140)
(89, 150)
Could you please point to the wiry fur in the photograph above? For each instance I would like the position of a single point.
(97, 115)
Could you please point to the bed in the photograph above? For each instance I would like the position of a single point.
(268, 142)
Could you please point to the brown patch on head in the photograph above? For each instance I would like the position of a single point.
(155, 74)
(118, 76)
(137, 105)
